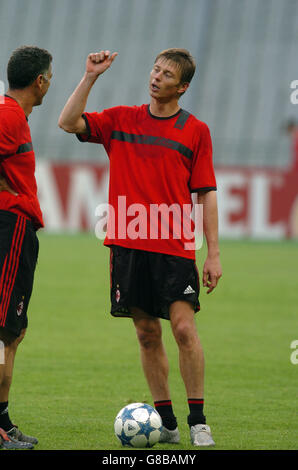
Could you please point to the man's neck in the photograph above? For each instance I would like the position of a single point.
(23, 99)
(160, 109)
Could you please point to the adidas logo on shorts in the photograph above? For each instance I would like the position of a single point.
(189, 290)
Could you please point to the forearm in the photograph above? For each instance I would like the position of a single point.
(71, 115)
(212, 271)
(210, 221)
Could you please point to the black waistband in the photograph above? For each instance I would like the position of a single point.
(12, 216)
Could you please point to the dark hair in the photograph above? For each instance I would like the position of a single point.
(184, 61)
(25, 64)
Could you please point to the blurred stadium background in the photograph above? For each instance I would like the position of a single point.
(246, 53)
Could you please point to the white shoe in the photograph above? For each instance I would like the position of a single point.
(200, 435)
(172, 437)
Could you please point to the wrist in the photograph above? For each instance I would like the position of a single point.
(90, 77)
(213, 251)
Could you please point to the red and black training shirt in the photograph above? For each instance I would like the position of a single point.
(153, 162)
(17, 163)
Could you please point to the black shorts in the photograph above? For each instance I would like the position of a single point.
(151, 282)
(18, 257)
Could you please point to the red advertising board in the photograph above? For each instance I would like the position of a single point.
(253, 202)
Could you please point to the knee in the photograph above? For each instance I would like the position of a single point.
(149, 338)
(185, 334)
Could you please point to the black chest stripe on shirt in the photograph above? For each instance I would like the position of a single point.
(25, 148)
(152, 140)
(182, 118)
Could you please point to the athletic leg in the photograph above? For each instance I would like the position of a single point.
(10, 436)
(11, 344)
(191, 355)
(18, 255)
(153, 355)
(191, 358)
(156, 369)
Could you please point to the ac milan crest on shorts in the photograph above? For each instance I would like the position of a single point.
(151, 282)
(18, 257)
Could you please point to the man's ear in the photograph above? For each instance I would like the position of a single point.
(182, 88)
(39, 80)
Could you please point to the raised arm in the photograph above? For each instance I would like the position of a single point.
(70, 119)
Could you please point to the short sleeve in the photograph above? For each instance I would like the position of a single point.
(202, 170)
(99, 127)
(10, 131)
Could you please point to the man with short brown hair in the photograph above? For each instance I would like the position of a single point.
(159, 155)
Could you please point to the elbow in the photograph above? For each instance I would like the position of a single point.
(65, 127)
(61, 124)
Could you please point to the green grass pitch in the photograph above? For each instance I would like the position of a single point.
(78, 366)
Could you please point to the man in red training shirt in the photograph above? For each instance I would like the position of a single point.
(29, 76)
(159, 155)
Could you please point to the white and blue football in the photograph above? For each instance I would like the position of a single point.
(138, 425)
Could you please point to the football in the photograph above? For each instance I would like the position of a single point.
(138, 425)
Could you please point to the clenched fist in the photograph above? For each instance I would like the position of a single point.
(98, 62)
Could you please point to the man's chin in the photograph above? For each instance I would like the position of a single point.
(39, 102)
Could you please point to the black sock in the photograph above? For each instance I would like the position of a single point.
(165, 410)
(5, 422)
(196, 415)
